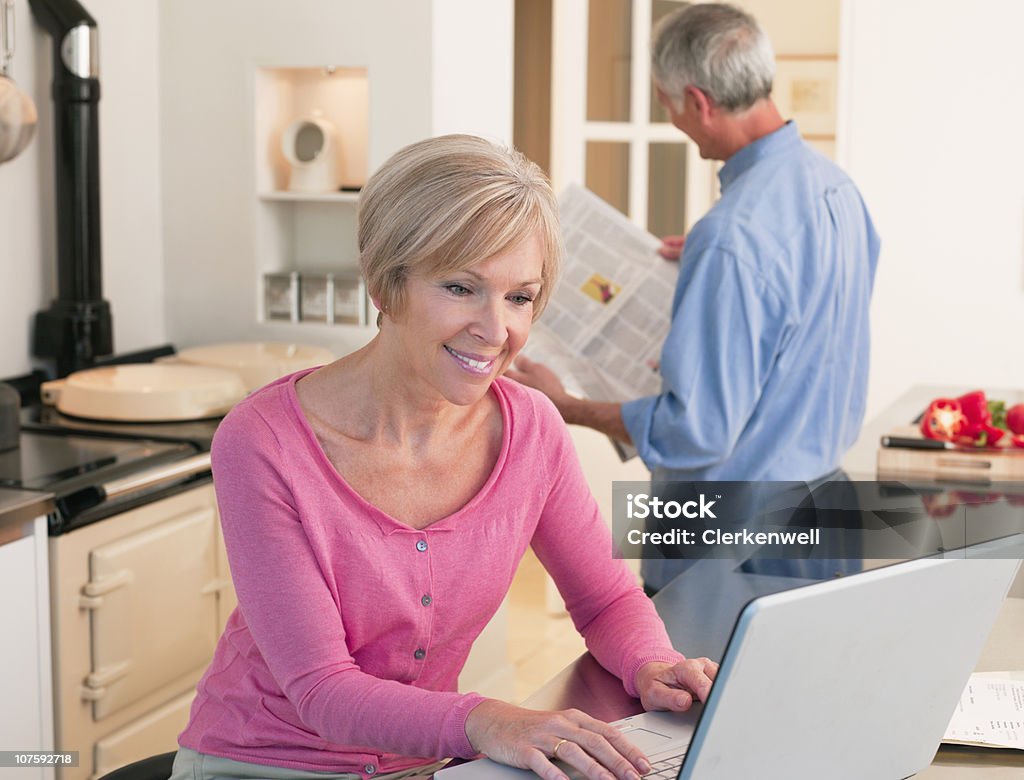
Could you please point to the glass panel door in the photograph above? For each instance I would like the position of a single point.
(609, 60)
(608, 133)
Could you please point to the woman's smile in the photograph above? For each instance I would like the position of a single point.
(473, 363)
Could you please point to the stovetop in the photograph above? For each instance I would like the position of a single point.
(46, 419)
(60, 463)
(69, 457)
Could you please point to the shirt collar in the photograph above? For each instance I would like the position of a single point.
(775, 142)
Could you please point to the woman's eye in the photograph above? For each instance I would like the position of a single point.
(520, 300)
(457, 289)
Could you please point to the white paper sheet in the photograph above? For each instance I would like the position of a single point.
(990, 712)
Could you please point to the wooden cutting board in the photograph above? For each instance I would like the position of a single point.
(949, 464)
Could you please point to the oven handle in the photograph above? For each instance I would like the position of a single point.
(94, 495)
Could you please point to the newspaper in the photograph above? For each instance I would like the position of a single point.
(604, 327)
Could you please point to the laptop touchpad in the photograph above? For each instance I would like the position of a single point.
(648, 741)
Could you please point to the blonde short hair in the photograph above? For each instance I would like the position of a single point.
(446, 203)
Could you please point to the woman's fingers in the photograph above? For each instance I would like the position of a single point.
(666, 697)
(692, 675)
(610, 747)
(533, 740)
(676, 686)
(541, 765)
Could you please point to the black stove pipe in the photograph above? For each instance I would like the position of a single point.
(77, 328)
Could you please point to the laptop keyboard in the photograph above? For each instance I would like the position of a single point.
(666, 769)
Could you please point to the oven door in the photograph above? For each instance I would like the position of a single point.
(153, 609)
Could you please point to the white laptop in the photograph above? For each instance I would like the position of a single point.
(849, 678)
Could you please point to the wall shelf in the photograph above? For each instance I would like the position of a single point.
(309, 233)
(310, 197)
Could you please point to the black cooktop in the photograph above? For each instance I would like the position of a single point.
(61, 463)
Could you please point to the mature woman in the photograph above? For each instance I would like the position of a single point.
(375, 511)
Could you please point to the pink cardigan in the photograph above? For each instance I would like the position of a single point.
(345, 650)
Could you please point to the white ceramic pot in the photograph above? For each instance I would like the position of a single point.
(150, 392)
(257, 362)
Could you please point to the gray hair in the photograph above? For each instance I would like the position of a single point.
(446, 203)
(717, 48)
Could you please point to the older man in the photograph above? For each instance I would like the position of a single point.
(765, 366)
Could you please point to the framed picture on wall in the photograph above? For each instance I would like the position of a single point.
(805, 90)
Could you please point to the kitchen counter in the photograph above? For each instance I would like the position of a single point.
(700, 607)
(18, 508)
(861, 459)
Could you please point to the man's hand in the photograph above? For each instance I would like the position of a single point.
(672, 247)
(539, 377)
(602, 416)
(531, 739)
(665, 686)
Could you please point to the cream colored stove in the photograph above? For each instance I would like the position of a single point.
(138, 602)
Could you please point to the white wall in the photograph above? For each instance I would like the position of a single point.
(472, 68)
(129, 185)
(130, 170)
(931, 132)
(26, 217)
(427, 65)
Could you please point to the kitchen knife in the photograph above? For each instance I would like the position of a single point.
(911, 443)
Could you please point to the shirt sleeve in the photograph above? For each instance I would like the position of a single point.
(727, 329)
(616, 619)
(295, 622)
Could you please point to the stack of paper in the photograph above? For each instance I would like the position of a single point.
(990, 712)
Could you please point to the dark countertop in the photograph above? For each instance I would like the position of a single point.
(700, 608)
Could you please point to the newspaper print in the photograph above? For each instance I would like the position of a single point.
(605, 324)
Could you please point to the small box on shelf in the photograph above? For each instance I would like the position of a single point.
(336, 298)
(315, 304)
(349, 299)
(281, 297)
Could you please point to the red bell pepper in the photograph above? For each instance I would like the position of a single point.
(939, 506)
(993, 435)
(974, 406)
(944, 419)
(971, 435)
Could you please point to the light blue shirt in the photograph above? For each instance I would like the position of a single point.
(765, 366)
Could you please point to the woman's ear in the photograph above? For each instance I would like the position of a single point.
(380, 309)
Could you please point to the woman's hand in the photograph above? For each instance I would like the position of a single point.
(664, 686)
(530, 739)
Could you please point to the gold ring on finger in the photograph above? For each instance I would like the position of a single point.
(554, 753)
